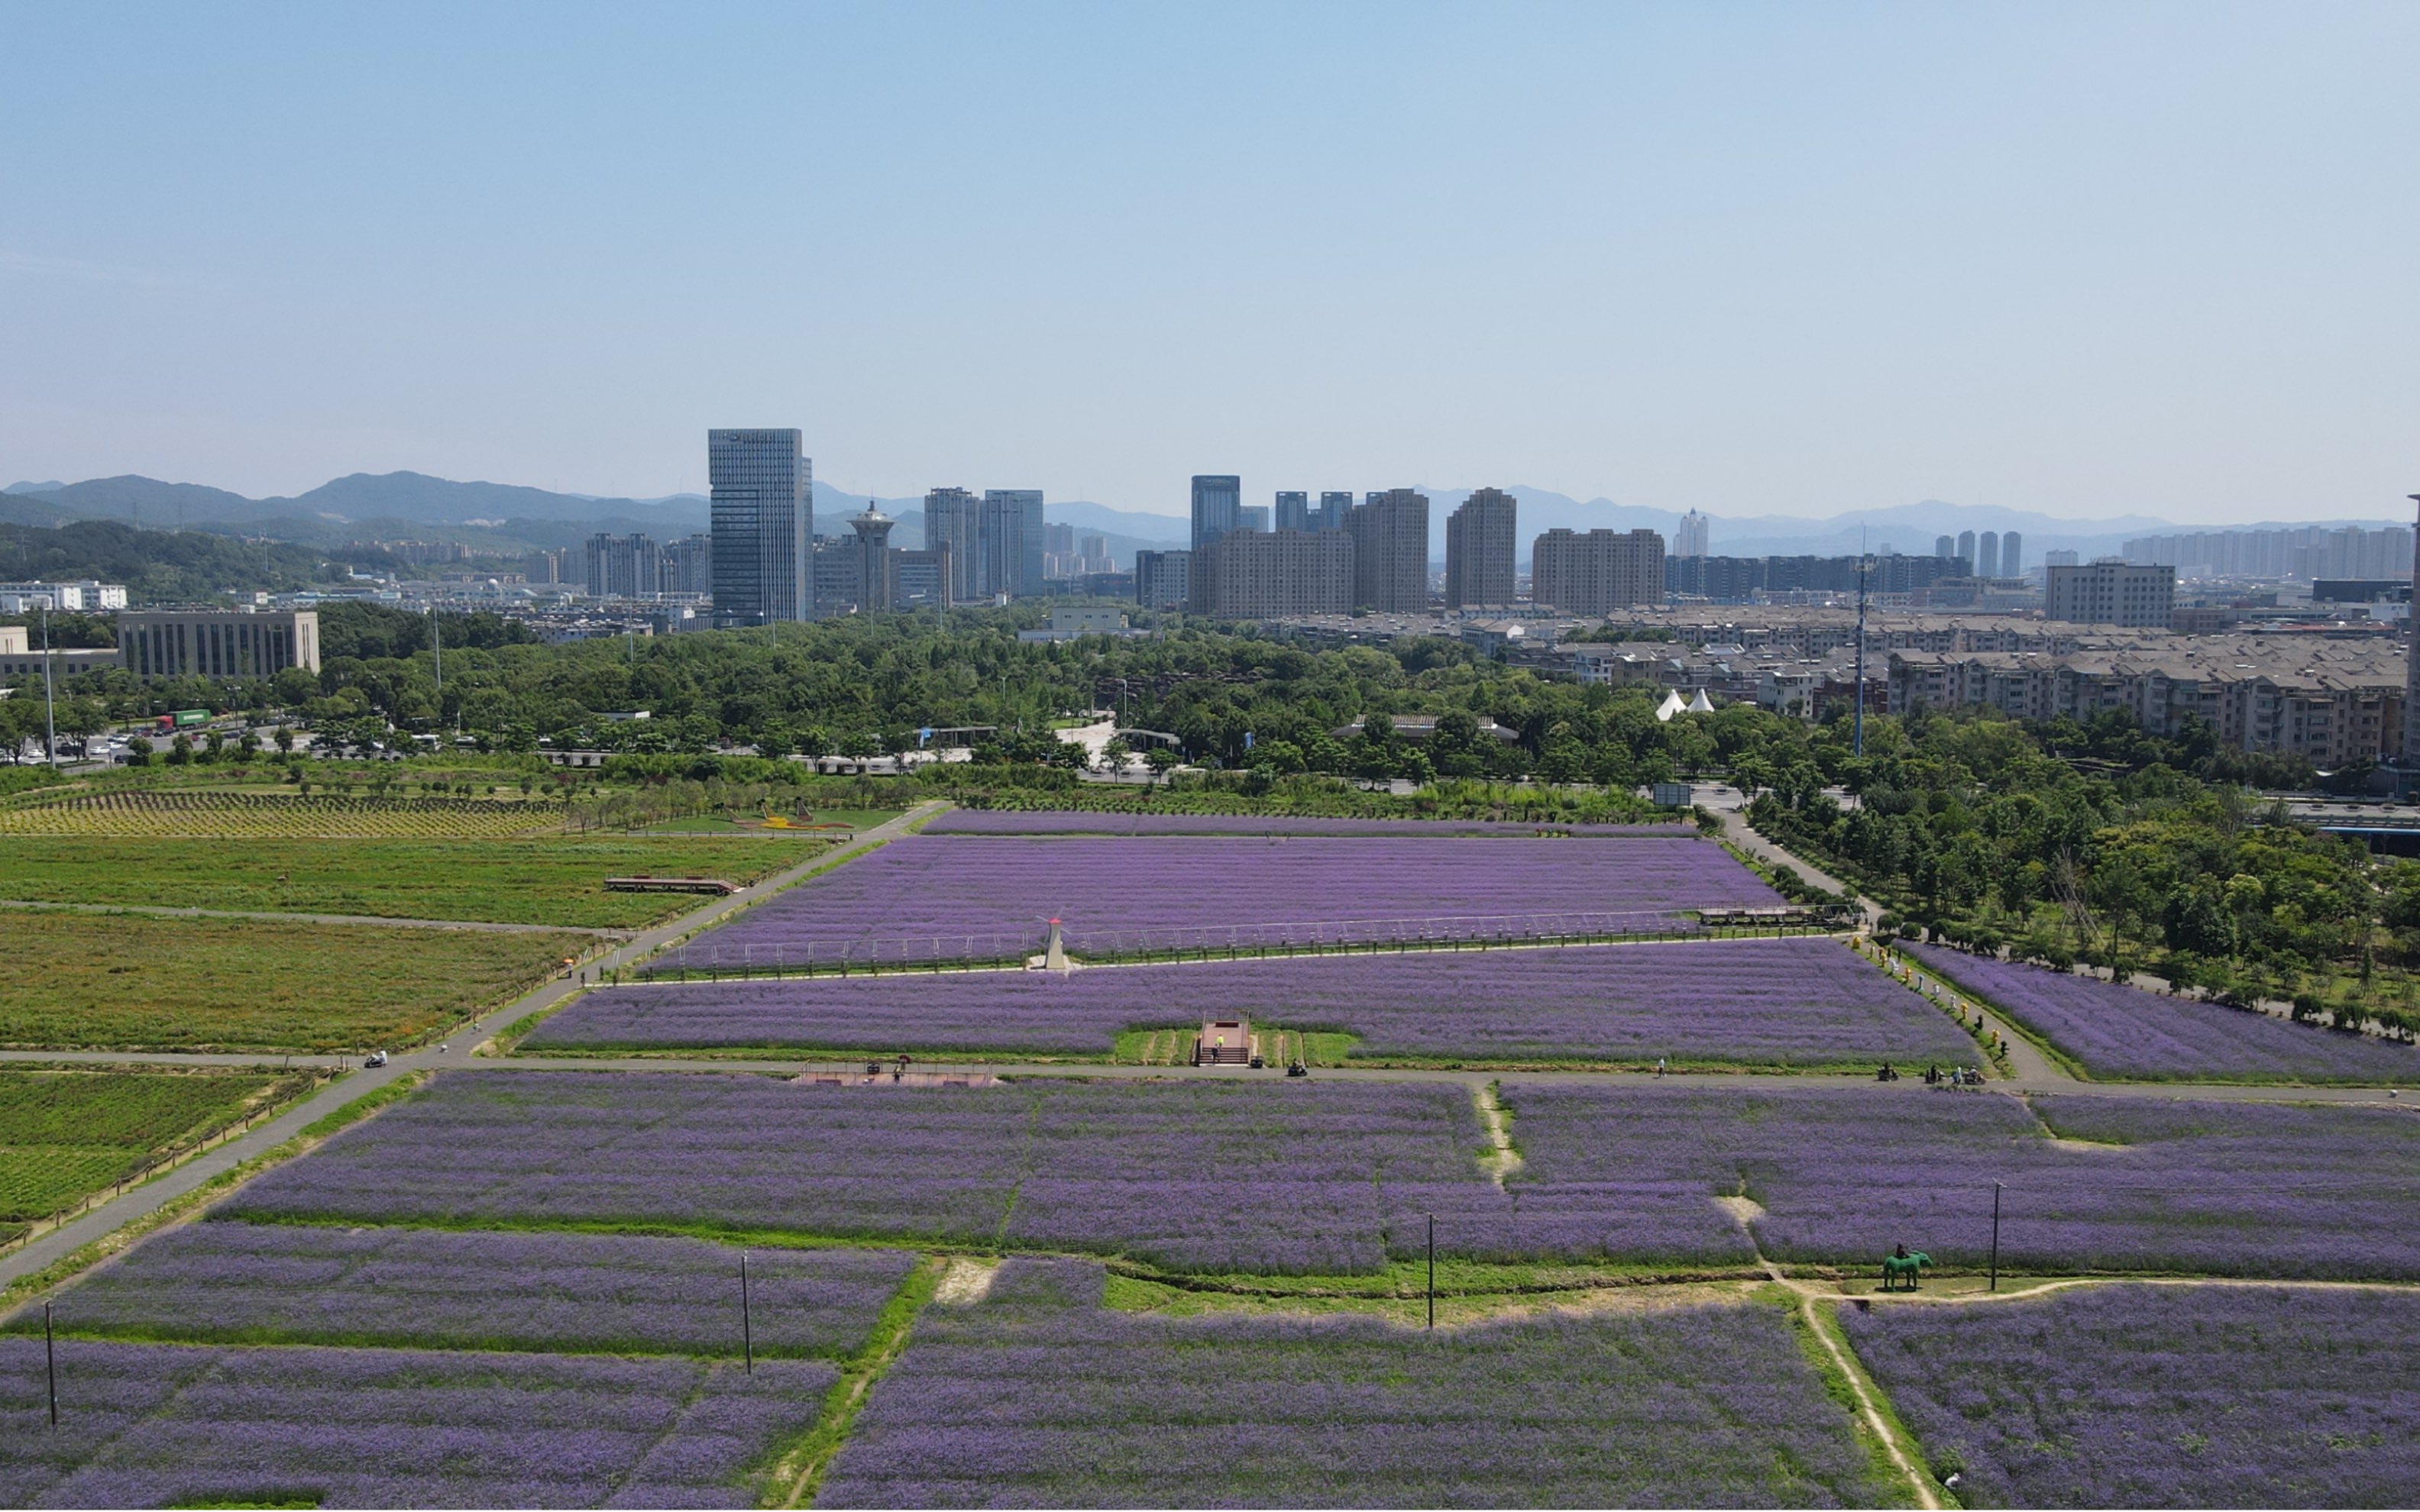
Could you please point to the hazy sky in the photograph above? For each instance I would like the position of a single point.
(2090, 259)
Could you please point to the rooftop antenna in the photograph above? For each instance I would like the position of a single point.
(1860, 725)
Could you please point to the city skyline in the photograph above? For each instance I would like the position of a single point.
(2061, 260)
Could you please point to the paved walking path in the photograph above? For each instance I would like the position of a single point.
(162, 910)
(107, 1217)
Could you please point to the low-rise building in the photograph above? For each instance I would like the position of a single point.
(239, 643)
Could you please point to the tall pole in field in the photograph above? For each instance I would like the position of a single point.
(437, 648)
(51, 1366)
(1860, 741)
(1995, 1236)
(746, 1332)
(1432, 1270)
(50, 720)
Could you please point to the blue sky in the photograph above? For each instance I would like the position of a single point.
(2087, 260)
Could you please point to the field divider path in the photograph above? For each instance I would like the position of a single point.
(164, 911)
(797, 1475)
(107, 1217)
(2030, 1065)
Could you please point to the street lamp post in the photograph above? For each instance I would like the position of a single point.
(50, 719)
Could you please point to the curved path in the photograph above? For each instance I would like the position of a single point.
(107, 1217)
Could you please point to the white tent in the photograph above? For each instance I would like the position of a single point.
(1671, 707)
(1701, 704)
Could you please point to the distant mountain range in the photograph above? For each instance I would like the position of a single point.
(507, 517)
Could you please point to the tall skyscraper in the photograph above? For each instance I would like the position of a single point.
(954, 523)
(2411, 666)
(1333, 506)
(1391, 551)
(873, 530)
(1479, 550)
(1945, 546)
(1012, 541)
(1966, 548)
(1690, 537)
(1218, 506)
(1988, 563)
(2012, 555)
(1598, 571)
(1294, 510)
(1253, 518)
(763, 513)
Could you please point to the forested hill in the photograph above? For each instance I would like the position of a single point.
(161, 564)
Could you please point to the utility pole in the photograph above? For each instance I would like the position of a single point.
(1860, 726)
(746, 1332)
(1995, 1236)
(49, 717)
(437, 647)
(1432, 1272)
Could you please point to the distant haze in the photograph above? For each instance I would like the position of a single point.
(1817, 261)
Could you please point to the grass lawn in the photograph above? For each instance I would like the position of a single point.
(134, 981)
(64, 1133)
(549, 881)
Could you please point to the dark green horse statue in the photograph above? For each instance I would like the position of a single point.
(1896, 1268)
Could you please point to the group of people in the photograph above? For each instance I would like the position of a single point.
(1935, 1076)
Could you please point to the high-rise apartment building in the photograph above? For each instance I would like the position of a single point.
(1011, 544)
(1479, 550)
(1597, 572)
(1391, 551)
(1966, 548)
(1218, 506)
(1945, 546)
(1294, 510)
(954, 523)
(2111, 592)
(1689, 536)
(1058, 539)
(1334, 504)
(1253, 518)
(1162, 578)
(688, 566)
(1987, 561)
(2061, 559)
(543, 568)
(2012, 555)
(763, 513)
(624, 566)
(1265, 574)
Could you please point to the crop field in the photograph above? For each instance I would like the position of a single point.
(272, 815)
(2097, 1183)
(135, 981)
(926, 897)
(1320, 1179)
(65, 1133)
(1792, 1002)
(2120, 1031)
(239, 1283)
(2161, 1395)
(1036, 1396)
(147, 1425)
(559, 880)
(1078, 822)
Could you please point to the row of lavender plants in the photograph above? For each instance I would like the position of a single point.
(1038, 1398)
(1334, 1178)
(2159, 1397)
(563, 1292)
(148, 1425)
(2088, 1183)
(1772, 1002)
(1078, 822)
(2111, 1029)
(927, 898)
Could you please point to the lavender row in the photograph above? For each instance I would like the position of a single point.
(1037, 1397)
(167, 1426)
(2161, 1395)
(1321, 1177)
(924, 898)
(291, 1283)
(2117, 1031)
(1104, 822)
(2099, 1183)
(1773, 1002)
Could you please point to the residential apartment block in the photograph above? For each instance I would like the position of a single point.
(1479, 543)
(1596, 572)
(1256, 575)
(2111, 592)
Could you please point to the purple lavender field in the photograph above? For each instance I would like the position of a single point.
(2229, 1188)
(2120, 1031)
(927, 898)
(1080, 822)
(243, 1283)
(1318, 1177)
(2161, 1395)
(1037, 1397)
(165, 1426)
(1773, 1002)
